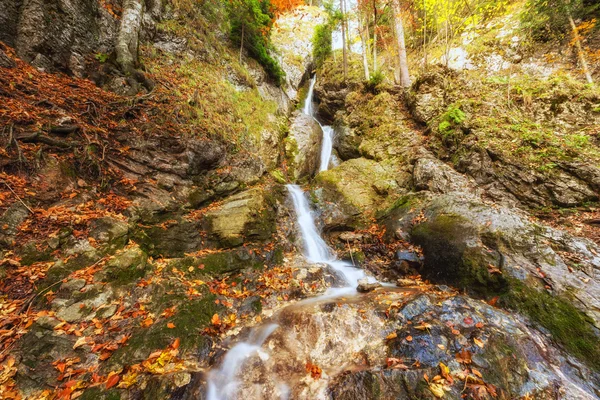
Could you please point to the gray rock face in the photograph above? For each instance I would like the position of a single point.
(14, 216)
(58, 35)
(510, 357)
(346, 143)
(303, 146)
(433, 175)
(373, 357)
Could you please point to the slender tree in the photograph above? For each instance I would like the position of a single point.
(402, 58)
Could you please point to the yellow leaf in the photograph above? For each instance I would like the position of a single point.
(478, 342)
(391, 336)
(80, 342)
(437, 390)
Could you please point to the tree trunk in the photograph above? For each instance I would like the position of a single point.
(344, 40)
(402, 59)
(580, 53)
(374, 36)
(129, 32)
(363, 39)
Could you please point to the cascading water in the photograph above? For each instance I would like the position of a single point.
(315, 248)
(308, 103)
(222, 384)
(327, 143)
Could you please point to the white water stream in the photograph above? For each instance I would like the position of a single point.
(222, 383)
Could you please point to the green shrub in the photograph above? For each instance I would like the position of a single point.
(375, 80)
(321, 43)
(250, 21)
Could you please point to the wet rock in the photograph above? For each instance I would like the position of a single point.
(303, 146)
(10, 220)
(402, 282)
(364, 286)
(495, 251)
(243, 217)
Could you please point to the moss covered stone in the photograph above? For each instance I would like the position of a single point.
(243, 217)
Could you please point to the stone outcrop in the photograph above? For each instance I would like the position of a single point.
(243, 217)
(303, 146)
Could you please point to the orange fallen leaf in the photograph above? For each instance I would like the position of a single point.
(171, 325)
(112, 380)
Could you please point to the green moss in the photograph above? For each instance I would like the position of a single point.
(191, 317)
(568, 326)
(97, 393)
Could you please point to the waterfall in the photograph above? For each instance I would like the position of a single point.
(222, 383)
(327, 146)
(308, 103)
(315, 248)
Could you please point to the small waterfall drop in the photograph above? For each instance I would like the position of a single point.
(308, 102)
(327, 143)
(315, 248)
(222, 383)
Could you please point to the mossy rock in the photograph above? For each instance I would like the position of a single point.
(127, 266)
(247, 216)
(190, 318)
(567, 325)
(360, 186)
(173, 240)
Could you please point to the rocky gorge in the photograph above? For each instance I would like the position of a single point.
(153, 247)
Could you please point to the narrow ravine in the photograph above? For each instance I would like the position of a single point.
(222, 383)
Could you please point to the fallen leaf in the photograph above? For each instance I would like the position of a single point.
(170, 325)
(478, 342)
(391, 336)
(112, 380)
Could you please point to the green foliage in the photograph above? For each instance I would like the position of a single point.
(322, 43)
(101, 57)
(251, 21)
(375, 80)
(453, 117)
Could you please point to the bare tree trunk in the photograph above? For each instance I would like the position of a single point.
(402, 58)
(374, 36)
(364, 46)
(128, 40)
(344, 39)
(580, 53)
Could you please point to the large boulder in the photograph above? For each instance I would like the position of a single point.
(242, 218)
(356, 188)
(303, 146)
(497, 252)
